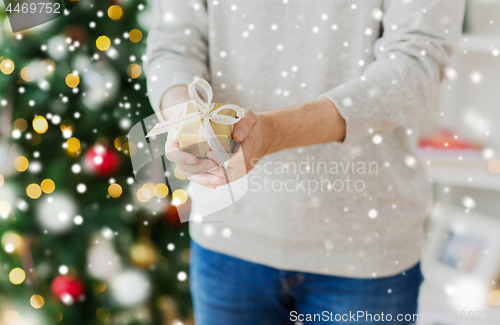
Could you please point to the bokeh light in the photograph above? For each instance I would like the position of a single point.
(48, 186)
(135, 35)
(33, 191)
(48, 66)
(58, 316)
(35, 139)
(114, 190)
(67, 126)
(28, 73)
(494, 298)
(17, 276)
(20, 124)
(161, 190)
(129, 148)
(11, 241)
(21, 163)
(40, 124)
(72, 80)
(119, 142)
(179, 173)
(115, 12)
(103, 43)
(7, 66)
(134, 70)
(179, 197)
(150, 187)
(37, 301)
(102, 314)
(73, 145)
(4, 208)
(143, 195)
(494, 166)
(11, 316)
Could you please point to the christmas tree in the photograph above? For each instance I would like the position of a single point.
(83, 242)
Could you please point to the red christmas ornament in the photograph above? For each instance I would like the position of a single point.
(101, 161)
(68, 289)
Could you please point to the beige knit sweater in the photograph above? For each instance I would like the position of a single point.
(350, 209)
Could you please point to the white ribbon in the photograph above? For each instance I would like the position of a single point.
(205, 115)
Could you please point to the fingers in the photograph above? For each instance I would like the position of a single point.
(201, 166)
(236, 160)
(207, 179)
(230, 174)
(243, 127)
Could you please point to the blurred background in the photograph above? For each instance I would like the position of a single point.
(460, 144)
(83, 243)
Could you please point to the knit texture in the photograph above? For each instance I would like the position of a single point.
(354, 208)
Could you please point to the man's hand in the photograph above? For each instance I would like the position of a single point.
(253, 132)
(186, 162)
(310, 123)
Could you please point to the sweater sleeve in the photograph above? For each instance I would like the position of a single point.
(177, 46)
(419, 38)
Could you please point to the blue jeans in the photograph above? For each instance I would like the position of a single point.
(228, 290)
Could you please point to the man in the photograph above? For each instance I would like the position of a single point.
(332, 221)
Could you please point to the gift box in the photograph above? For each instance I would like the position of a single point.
(192, 138)
(203, 126)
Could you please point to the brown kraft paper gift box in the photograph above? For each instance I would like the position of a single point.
(188, 133)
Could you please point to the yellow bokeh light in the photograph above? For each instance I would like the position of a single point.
(28, 73)
(129, 149)
(115, 190)
(75, 153)
(494, 166)
(179, 197)
(33, 191)
(11, 316)
(17, 276)
(12, 239)
(103, 43)
(99, 286)
(40, 124)
(115, 12)
(1, 180)
(119, 141)
(73, 145)
(134, 70)
(179, 173)
(161, 190)
(48, 66)
(4, 208)
(72, 80)
(48, 186)
(20, 124)
(21, 163)
(135, 35)
(494, 298)
(7, 66)
(102, 314)
(150, 187)
(37, 301)
(58, 316)
(143, 195)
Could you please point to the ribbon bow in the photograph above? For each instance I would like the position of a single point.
(205, 115)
